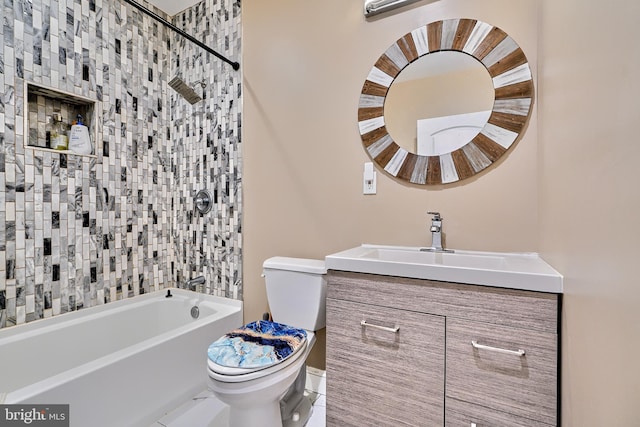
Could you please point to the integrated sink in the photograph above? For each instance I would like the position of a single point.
(414, 256)
(526, 271)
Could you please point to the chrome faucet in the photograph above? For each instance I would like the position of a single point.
(196, 284)
(436, 234)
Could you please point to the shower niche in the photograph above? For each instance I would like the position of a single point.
(49, 115)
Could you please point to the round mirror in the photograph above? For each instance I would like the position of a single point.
(445, 101)
(438, 103)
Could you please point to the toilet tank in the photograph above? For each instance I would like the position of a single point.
(296, 290)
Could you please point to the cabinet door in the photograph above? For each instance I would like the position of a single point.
(378, 377)
(485, 374)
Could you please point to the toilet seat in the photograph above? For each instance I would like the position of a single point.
(256, 350)
(218, 372)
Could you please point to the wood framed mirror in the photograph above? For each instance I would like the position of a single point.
(471, 151)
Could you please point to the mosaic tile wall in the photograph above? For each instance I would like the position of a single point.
(78, 231)
(205, 139)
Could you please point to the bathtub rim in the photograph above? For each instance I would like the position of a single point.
(24, 393)
(98, 310)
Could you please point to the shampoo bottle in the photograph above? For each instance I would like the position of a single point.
(79, 141)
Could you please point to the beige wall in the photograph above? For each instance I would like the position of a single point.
(567, 189)
(589, 201)
(304, 64)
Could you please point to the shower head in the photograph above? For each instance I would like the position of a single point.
(185, 90)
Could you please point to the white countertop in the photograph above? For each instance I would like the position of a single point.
(525, 271)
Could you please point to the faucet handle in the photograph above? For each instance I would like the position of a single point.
(436, 215)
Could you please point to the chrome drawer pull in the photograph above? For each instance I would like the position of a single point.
(475, 344)
(384, 328)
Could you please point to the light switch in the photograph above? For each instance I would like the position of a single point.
(369, 179)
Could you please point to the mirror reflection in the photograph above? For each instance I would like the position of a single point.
(438, 103)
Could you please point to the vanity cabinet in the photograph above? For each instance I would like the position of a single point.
(463, 355)
(381, 375)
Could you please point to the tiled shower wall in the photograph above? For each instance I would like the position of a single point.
(205, 142)
(81, 231)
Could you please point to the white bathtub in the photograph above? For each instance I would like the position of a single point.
(125, 363)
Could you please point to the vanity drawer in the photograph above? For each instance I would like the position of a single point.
(508, 307)
(381, 377)
(522, 385)
(463, 414)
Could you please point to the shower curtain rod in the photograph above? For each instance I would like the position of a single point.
(187, 36)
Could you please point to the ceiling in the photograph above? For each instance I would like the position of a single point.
(172, 7)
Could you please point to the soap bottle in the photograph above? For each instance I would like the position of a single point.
(59, 139)
(79, 141)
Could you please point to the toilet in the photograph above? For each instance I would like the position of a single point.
(259, 369)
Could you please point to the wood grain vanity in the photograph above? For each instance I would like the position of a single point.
(417, 352)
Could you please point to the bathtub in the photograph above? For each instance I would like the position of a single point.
(125, 363)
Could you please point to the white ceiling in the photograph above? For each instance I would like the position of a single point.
(173, 6)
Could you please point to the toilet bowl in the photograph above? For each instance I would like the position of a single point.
(259, 370)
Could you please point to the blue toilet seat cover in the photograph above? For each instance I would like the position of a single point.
(258, 344)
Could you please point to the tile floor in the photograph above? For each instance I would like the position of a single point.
(204, 410)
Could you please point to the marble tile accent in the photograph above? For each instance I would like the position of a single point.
(78, 231)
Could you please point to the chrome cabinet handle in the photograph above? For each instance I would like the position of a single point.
(395, 330)
(475, 345)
